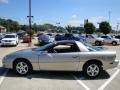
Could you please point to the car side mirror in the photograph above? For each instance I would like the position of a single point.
(44, 52)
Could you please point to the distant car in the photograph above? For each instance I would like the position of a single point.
(92, 39)
(1, 36)
(62, 56)
(10, 39)
(69, 37)
(44, 39)
(21, 35)
(110, 40)
(26, 39)
(117, 36)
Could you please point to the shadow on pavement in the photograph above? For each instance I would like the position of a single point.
(54, 75)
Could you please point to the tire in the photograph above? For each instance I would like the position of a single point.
(22, 67)
(114, 43)
(98, 43)
(87, 70)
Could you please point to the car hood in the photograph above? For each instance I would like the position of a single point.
(23, 51)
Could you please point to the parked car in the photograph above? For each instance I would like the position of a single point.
(44, 39)
(10, 39)
(26, 39)
(92, 39)
(21, 35)
(1, 36)
(62, 56)
(69, 37)
(117, 36)
(110, 40)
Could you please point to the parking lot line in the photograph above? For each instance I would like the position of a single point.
(80, 82)
(3, 76)
(109, 80)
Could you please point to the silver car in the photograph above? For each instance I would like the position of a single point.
(62, 56)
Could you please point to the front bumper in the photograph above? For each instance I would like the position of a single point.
(8, 43)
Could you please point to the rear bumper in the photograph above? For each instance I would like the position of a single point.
(111, 65)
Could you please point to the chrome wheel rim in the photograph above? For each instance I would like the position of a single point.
(93, 70)
(22, 68)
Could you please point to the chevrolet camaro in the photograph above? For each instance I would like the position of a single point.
(62, 56)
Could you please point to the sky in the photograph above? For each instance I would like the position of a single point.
(67, 12)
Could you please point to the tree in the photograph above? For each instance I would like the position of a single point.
(105, 27)
(69, 28)
(34, 27)
(11, 25)
(89, 28)
(24, 27)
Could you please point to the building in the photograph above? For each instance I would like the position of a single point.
(2, 29)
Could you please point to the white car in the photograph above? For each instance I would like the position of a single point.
(92, 39)
(110, 40)
(10, 39)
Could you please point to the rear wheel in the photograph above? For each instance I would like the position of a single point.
(98, 43)
(92, 70)
(22, 67)
(114, 43)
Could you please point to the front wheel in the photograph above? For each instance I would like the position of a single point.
(22, 67)
(92, 70)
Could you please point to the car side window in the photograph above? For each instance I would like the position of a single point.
(64, 48)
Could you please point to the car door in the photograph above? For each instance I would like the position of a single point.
(90, 39)
(107, 39)
(59, 61)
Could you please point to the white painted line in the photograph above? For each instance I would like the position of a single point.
(3, 76)
(80, 82)
(109, 80)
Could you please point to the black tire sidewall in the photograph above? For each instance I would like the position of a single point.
(114, 43)
(85, 70)
(98, 43)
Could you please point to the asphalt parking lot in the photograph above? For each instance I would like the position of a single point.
(57, 80)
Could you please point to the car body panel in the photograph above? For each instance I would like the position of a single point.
(59, 61)
(109, 39)
(72, 61)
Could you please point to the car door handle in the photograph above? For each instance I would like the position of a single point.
(74, 56)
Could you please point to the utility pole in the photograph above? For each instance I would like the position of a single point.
(109, 17)
(30, 29)
(117, 29)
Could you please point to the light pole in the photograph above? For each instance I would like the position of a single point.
(109, 16)
(30, 29)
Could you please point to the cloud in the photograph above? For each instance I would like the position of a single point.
(75, 23)
(4, 1)
(74, 16)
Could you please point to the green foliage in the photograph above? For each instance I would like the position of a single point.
(11, 25)
(89, 28)
(105, 27)
(78, 29)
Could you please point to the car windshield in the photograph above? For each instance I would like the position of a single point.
(93, 48)
(9, 36)
(109, 37)
(42, 48)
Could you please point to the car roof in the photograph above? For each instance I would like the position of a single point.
(66, 41)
